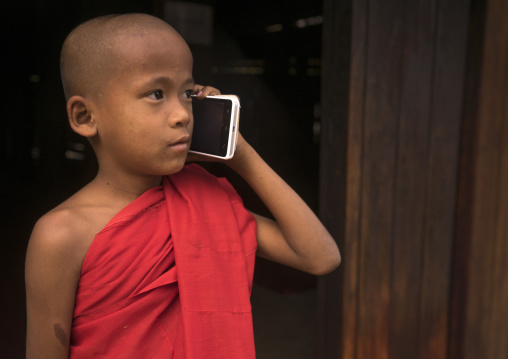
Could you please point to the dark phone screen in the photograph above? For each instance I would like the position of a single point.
(211, 125)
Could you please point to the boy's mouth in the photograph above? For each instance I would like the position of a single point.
(182, 144)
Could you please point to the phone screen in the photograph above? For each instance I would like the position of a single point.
(212, 119)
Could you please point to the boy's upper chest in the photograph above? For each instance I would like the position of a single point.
(87, 218)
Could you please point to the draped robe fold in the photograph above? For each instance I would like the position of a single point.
(170, 276)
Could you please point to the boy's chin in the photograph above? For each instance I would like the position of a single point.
(177, 167)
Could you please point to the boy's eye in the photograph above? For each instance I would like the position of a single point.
(156, 95)
(187, 94)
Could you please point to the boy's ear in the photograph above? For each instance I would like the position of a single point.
(80, 116)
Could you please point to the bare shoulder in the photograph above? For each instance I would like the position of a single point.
(57, 247)
(53, 261)
(66, 232)
(57, 234)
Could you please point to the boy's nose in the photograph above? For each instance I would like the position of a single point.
(179, 116)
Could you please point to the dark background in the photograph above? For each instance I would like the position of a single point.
(43, 162)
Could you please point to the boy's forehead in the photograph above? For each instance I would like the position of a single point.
(164, 46)
(140, 59)
(148, 39)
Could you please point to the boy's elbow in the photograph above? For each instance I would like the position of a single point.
(327, 265)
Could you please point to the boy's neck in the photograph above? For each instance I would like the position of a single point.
(128, 187)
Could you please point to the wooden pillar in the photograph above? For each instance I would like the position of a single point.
(391, 297)
(480, 293)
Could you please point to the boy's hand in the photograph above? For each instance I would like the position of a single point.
(203, 91)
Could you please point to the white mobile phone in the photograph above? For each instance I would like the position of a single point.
(215, 125)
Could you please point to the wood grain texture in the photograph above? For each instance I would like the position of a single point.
(353, 181)
(447, 104)
(486, 314)
(378, 166)
(402, 158)
(462, 245)
(424, 271)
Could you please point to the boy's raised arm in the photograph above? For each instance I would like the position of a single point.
(297, 238)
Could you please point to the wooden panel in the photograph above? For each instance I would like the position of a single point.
(498, 340)
(353, 181)
(447, 104)
(499, 331)
(404, 123)
(378, 168)
(486, 326)
(462, 250)
(405, 108)
(411, 189)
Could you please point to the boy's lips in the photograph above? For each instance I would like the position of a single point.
(182, 144)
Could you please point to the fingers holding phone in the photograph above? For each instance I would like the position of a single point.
(202, 91)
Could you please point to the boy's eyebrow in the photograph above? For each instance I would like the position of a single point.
(167, 79)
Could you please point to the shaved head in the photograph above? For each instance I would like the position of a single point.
(95, 50)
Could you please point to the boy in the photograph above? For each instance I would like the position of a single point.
(153, 258)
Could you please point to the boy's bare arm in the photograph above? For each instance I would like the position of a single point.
(297, 238)
(51, 276)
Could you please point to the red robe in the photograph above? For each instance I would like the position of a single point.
(170, 276)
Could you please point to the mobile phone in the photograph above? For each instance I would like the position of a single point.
(215, 125)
